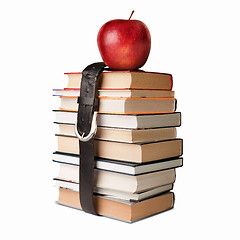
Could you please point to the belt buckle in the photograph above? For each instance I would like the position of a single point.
(92, 132)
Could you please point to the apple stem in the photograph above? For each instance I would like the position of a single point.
(131, 14)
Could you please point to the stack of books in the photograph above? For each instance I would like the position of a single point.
(136, 144)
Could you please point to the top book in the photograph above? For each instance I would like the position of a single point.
(126, 80)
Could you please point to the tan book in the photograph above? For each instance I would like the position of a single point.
(130, 152)
(125, 105)
(133, 121)
(119, 181)
(134, 93)
(126, 80)
(116, 193)
(120, 166)
(120, 209)
(125, 135)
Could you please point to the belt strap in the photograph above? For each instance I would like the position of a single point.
(85, 131)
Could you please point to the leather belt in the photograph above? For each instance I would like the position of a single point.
(85, 130)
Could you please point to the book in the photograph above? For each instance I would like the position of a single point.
(119, 181)
(130, 152)
(119, 209)
(120, 166)
(124, 135)
(126, 80)
(125, 105)
(130, 121)
(136, 147)
(115, 193)
(133, 93)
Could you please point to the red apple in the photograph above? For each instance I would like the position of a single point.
(124, 44)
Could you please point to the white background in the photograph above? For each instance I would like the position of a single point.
(197, 41)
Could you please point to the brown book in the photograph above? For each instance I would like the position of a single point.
(127, 80)
(125, 105)
(121, 210)
(130, 152)
(125, 135)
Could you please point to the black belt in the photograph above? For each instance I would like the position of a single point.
(85, 130)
